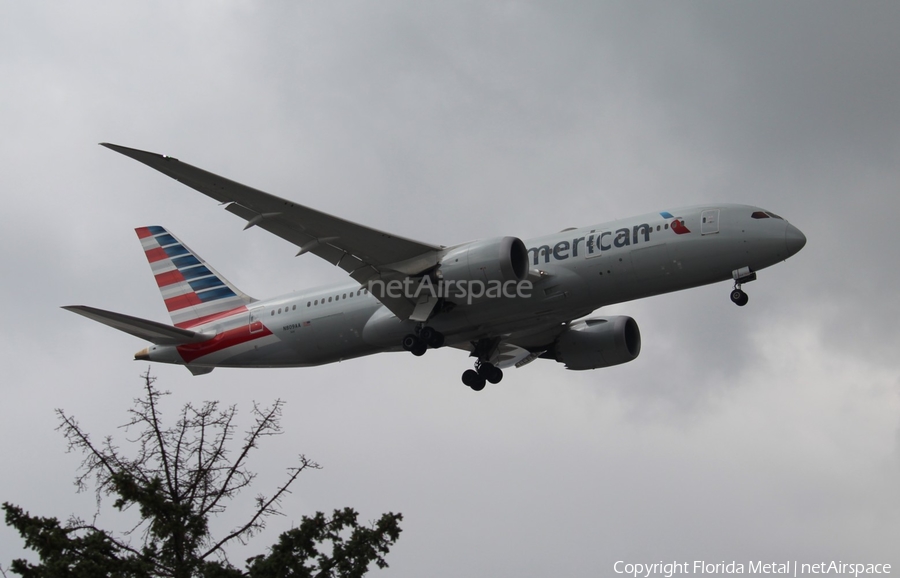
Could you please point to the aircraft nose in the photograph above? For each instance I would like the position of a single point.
(794, 239)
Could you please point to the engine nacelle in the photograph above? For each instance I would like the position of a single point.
(601, 342)
(502, 259)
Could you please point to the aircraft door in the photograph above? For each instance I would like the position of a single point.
(256, 324)
(709, 222)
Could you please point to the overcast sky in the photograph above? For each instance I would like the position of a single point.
(768, 432)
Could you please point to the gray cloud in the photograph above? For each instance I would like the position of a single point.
(767, 432)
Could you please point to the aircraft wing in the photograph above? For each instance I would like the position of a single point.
(366, 254)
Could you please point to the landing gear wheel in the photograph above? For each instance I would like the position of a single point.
(431, 337)
(490, 372)
(739, 298)
(414, 345)
(472, 379)
(409, 342)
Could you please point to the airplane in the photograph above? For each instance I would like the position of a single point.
(505, 301)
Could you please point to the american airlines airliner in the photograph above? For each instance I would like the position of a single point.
(505, 301)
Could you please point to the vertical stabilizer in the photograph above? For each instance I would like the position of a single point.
(193, 291)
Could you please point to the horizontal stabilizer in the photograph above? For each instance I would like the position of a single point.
(157, 333)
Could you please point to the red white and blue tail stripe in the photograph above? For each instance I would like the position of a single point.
(193, 291)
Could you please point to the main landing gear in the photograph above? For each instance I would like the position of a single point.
(419, 342)
(485, 371)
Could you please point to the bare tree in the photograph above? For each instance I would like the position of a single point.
(179, 477)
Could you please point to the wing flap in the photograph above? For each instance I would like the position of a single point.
(157, 333)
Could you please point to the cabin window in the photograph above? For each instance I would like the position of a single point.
(273, 312)
(308, 303)
(294, 308)
(329, 299)
(667, 225)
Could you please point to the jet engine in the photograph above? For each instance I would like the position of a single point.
(502, 259)
(601, 342)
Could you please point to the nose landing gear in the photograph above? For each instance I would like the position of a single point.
(742, 275)
(738, 297)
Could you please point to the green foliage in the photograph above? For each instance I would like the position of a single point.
(297, 553)
(70, 551)
(178, 478)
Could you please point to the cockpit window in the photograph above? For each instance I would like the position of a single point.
(759, 215)
(773, 215)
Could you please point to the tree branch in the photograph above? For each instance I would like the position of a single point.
(264, 507)
(264, 422)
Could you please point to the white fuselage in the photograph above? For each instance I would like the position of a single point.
(573, 272)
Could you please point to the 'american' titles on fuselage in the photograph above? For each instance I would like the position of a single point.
(597, 243)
